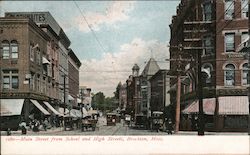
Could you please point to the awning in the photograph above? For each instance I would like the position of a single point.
(46, 61)
(67, 112)
(208, 107)
(233, 105)
(75, 112)
(44, 111)
(10, 107)
(70, 98)
(84, 112)
(79, 100)
(92, 112)
(52, 109)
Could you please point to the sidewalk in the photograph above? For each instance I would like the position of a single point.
(30, 132)
(195, 133)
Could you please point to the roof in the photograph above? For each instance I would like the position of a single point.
(233, 105)
(208, 107)
(151, 67)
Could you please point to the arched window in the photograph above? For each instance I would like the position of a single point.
(245, 74)
(229, 75)
(6, 49)
(207, 68)
(14, 49)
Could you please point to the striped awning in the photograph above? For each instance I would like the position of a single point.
(208, 107)
(44, 111)
(52, 109)
(233, 105)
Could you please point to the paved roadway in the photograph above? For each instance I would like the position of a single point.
(104, 130)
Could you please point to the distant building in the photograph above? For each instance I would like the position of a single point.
(133, 92)
(159, 91)
(85, 97)
(73, 64)
(149, 70)
(122, 96)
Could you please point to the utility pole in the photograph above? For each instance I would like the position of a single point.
(200, 96)
(178, 103)
(81, 108)
(64, 100)
(248, 52)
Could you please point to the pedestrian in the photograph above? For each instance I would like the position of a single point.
(36, 126)
(8, 132)
(45, 124)
(23, 127)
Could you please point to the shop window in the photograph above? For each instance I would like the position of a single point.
(229, 75)
(229, 42)
(245, 74)
(244, 8)
(235, 122)
(6, 49)
(229, 9)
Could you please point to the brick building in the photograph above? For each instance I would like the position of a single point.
(23, 59)
(34, 56)
(133, 93)
(213, 28)
(73, 65)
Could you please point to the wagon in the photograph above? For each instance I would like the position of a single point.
(89, 124)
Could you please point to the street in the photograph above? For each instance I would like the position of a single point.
(119, 130)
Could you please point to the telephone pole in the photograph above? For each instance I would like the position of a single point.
(64, 100)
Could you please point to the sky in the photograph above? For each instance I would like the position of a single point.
(109, 37)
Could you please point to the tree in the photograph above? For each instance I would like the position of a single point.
(98, 101)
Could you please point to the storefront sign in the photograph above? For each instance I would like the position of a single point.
(36, 17)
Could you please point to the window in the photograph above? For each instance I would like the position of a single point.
(32, 81)
(245, 74)
(208, 44)
(38, 83)
(207, 11)
(229, 9)
(229, 42)
(31, 52)
(208, 68)
(38, 56)
(244, 36)
(244, 8)
(10, 79)
(6, 49)
(14, 49)
(229, 74)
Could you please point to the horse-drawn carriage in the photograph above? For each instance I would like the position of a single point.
(88, 123)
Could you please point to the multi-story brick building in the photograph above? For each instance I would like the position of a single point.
(149, 70)
(133, 93)
(213, 28)
(74, 64)
(34, 56)
(23, 63)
